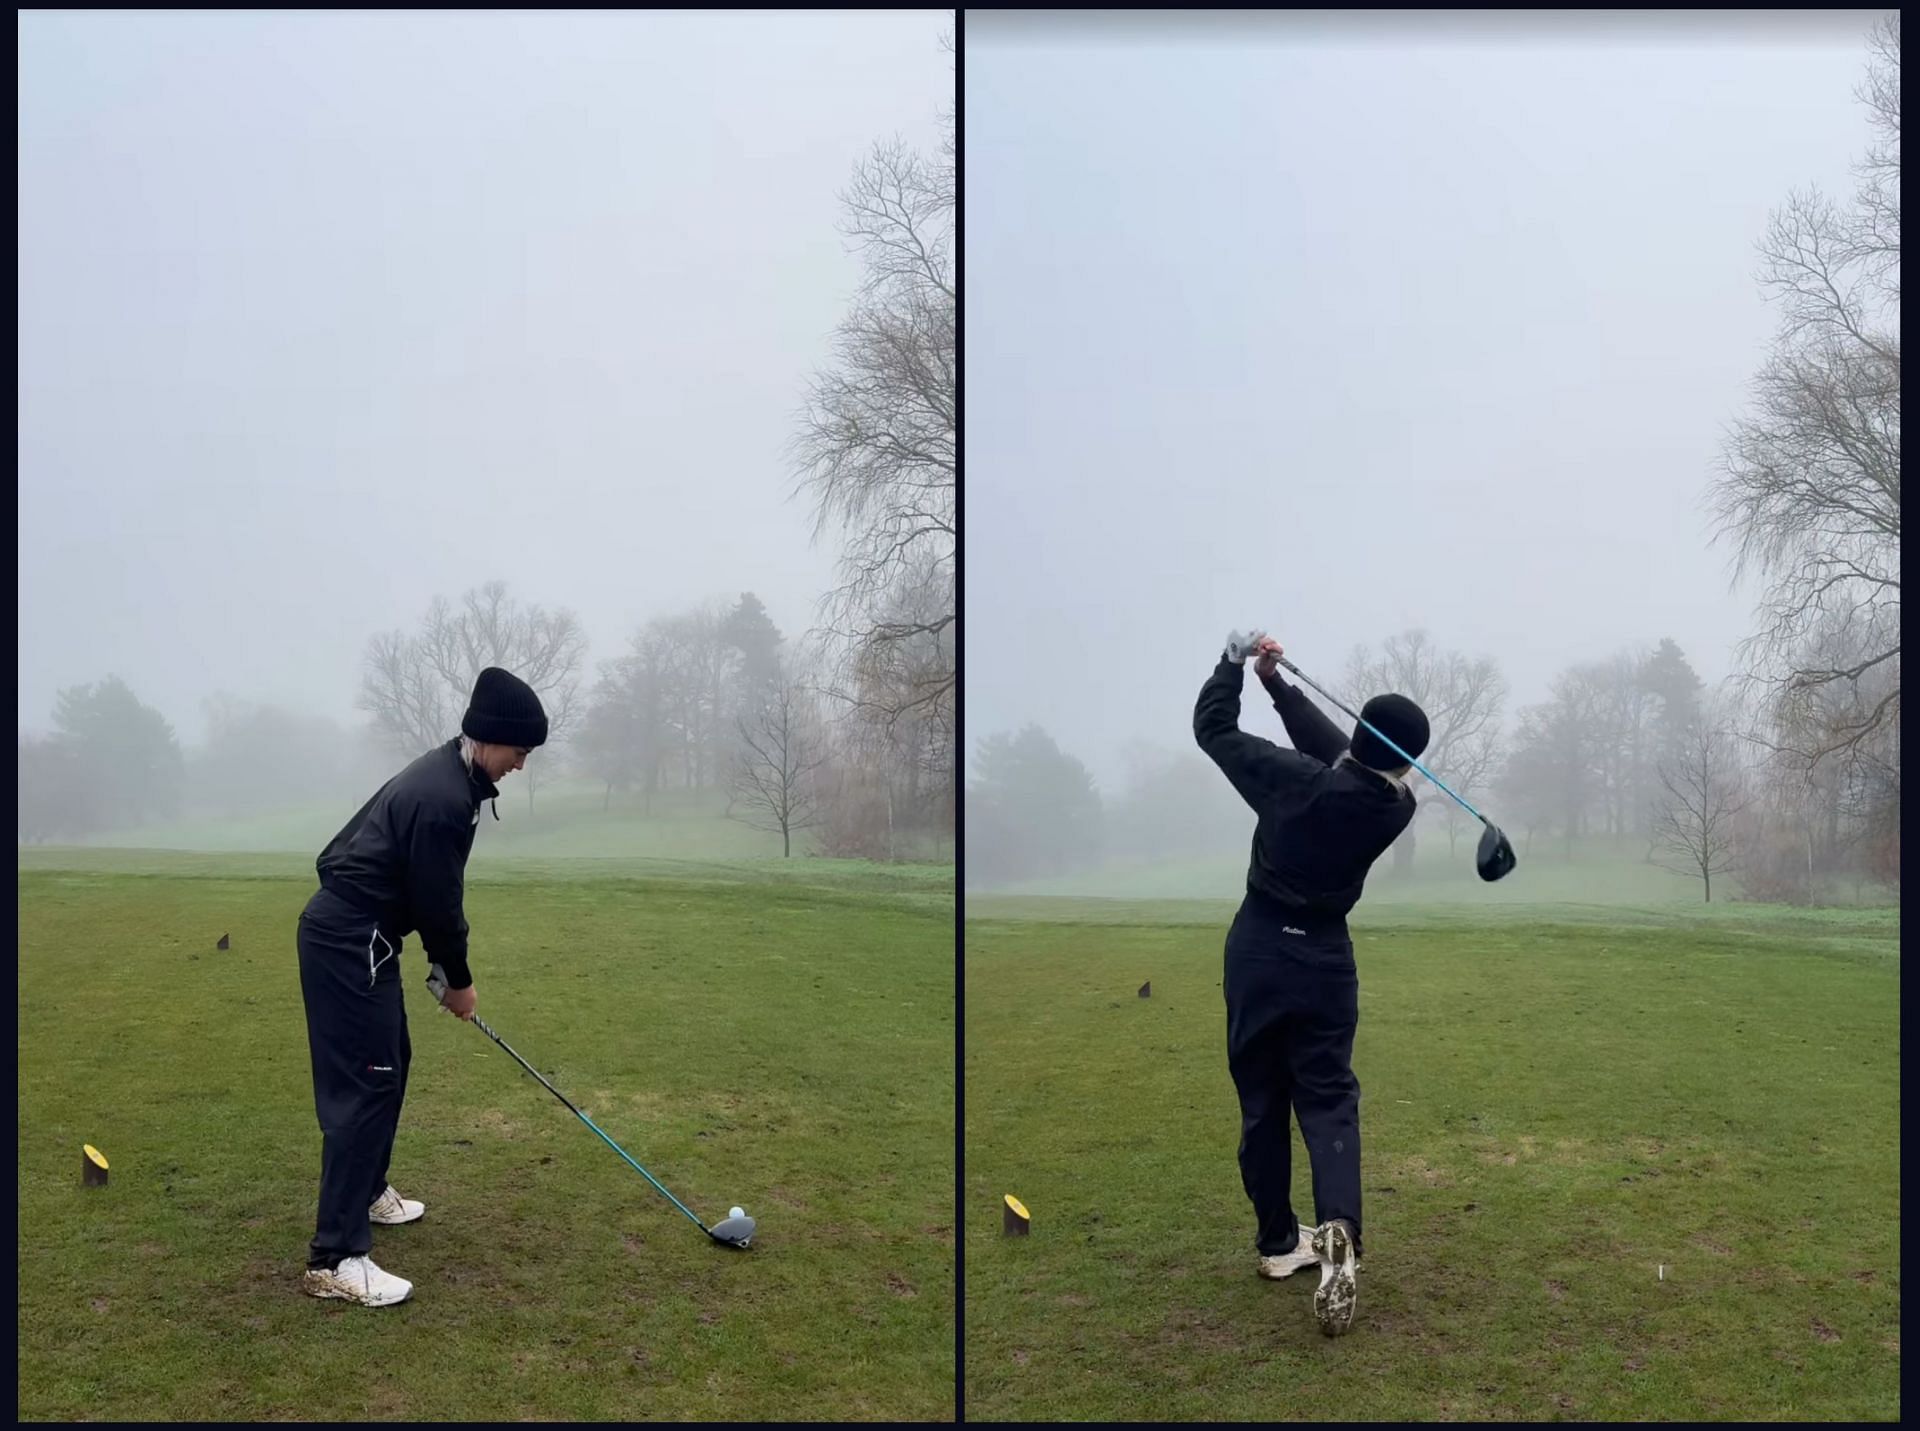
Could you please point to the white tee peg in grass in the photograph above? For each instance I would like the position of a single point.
(93, 1167)
(1018, 1222)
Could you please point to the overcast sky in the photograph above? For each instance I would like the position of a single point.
(322, 315)
(1343, 327)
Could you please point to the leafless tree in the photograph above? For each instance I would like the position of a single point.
(877, 449)
(417, 687)
(1703, 792)
(1810, 492)
(774, 775)
(1462, 697)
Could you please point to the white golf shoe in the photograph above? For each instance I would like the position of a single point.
(356, 1279)
(1333, 1303)
(390, 1209)
(1285, 1264)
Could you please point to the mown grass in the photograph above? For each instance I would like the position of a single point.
(760, 1035)
(1558, 1104)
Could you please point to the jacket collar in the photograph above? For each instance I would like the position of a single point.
(477, 782)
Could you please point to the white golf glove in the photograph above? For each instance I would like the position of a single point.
(437, 984)
(1241, 645)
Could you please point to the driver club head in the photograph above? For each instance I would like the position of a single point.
(732, 1231)
(1496, 858)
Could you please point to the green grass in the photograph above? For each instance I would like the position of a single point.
(1557, 1103)
(777, 1034)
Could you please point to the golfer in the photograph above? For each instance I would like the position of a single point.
(398, 867)
(1326, 810)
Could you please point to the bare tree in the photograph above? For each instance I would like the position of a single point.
(878, 444)
(1462, 697)
(1810, 491)
(417, 687)
(774, 773)
(1696, 823)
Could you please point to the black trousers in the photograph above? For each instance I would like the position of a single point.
(1293, 1003)
(357, 1034)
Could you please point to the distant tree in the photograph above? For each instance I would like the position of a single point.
(1526, 785)
(1554, 768)
(1810, 492)
(1676, 688)
(1696, 825)
(1031, 810)
(54, 799)
(124, 760)
(750, 632)
(878, 446)
(611, 743)
(1462, 697)
(695, 674)
(774, 772)
(417, 687)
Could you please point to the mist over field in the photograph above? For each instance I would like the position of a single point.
(1543, 369)
(361, 350)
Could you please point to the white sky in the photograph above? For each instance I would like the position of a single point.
(1345, 326)
(324, 314)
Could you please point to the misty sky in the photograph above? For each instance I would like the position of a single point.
(1342, 328)
(322, 315)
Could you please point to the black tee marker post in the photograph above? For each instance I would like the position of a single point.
(1146, 990)
(1016, 1222)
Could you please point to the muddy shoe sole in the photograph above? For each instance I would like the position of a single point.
(1333, 1304)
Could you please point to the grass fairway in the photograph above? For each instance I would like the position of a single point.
(1556, 1104)
(777, 1036)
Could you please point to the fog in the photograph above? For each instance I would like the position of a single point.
(1423, 338)
(1350, 328)
(325, 315)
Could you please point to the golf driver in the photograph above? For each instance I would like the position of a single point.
(1495, 858)
(735, 1230)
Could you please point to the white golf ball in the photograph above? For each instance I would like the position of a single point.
(737, 1212)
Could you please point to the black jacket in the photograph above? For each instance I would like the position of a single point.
(1323, 821)
(403, 858)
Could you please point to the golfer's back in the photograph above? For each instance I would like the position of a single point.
(1323, 819)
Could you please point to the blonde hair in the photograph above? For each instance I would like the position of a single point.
(469, 751)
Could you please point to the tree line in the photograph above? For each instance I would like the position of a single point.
(1630, 754)
(1790, 776)
(850, 737)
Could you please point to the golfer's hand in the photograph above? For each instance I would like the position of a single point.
(460, 1002)
(1267, 654)
(1241, 645)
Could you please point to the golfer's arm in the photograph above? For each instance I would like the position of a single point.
(1310, 729)
(1255, 766)
(436, 882)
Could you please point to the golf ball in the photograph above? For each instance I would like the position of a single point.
(737, 1212)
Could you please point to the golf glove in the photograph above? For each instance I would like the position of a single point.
(1240, 645)
(437, 983)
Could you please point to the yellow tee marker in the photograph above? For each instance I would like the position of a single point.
(1018, 1220)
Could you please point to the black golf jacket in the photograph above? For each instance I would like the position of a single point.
(403, 857)
(1322, 821)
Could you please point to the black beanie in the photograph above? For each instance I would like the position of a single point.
(504, 711)
(1397, 718)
